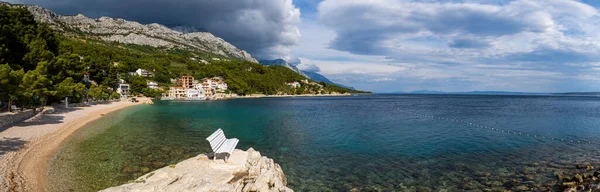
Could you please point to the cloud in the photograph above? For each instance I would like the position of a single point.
(394, 27)
(305, 64)
(267, 29)
(462, 45)
(468, 43)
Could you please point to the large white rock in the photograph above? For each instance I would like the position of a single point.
(244, 171)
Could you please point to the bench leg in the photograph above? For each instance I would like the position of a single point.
(215, 156)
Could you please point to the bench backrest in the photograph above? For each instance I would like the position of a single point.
(13, 107)
(216, 139)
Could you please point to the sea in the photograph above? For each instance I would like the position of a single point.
(355, 143)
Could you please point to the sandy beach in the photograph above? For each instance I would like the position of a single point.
(27, 148)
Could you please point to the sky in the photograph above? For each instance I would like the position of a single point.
(396, 45)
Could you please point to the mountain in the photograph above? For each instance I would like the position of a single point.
(470, 92)
(130, 32)
(307, 73)
(187, 29)
(281, 62)
(318, 77)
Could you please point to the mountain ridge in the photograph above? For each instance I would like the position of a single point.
(132, 32)
(433, 92)
(309, 74)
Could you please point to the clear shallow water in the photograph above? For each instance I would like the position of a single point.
(377, 142)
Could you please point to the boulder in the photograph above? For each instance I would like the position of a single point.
(244, 171)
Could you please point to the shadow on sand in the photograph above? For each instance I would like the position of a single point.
(10, 144)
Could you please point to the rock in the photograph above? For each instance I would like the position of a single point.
(589, 168)
(566, 185)
(496, 184)
(522, 188)
(578, 178)
(244, 171)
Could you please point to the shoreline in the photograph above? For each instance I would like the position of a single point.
(279, 96)
(26, 169)
(252, 96)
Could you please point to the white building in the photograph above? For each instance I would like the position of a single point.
(294, 84)
(143, 73)
(152, 85)
(123, 90)
(195, 93)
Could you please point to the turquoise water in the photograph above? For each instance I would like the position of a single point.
(373, 142)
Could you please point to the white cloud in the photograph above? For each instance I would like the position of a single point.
(459, 45)
(419, 31)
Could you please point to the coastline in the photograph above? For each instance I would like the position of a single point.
(277, 96)
(20, 169)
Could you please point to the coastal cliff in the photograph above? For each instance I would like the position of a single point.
(244, 171)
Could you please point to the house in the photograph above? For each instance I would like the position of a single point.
(142, 72)
(123, 89)
(177, 92)
(294, 84)
(187, 82)
(305, 81)
(152, 85)
(222, 86)
(195, 93)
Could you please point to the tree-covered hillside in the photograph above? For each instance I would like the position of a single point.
(39, 66)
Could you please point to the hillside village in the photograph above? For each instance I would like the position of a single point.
(214, 88)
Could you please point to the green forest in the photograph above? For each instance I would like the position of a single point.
(39, 66)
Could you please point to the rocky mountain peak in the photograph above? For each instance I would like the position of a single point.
(131, 32)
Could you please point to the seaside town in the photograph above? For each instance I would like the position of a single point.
(214, 88)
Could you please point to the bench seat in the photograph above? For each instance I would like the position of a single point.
(220, 144)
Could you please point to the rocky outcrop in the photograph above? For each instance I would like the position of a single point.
(130, 32)
(583, 178)
(244, 171)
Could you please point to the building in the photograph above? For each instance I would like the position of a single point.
(195, 93)
(305, 81)
(123, 89)
(221, 86)
(177, 92)
(187, 82)
(143, 73)
(213, 85)
(152, 85)
(294, 84)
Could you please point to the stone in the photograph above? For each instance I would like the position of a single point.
(589, 168)
(578, 178)
(243, 172)
(522, 188)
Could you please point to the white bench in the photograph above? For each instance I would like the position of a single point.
(13, 108)
(220, 144)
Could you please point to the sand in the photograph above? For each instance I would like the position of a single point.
(27, 148)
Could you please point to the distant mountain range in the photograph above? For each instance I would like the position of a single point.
(433, 92)
(310, 74)
(471, 92)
